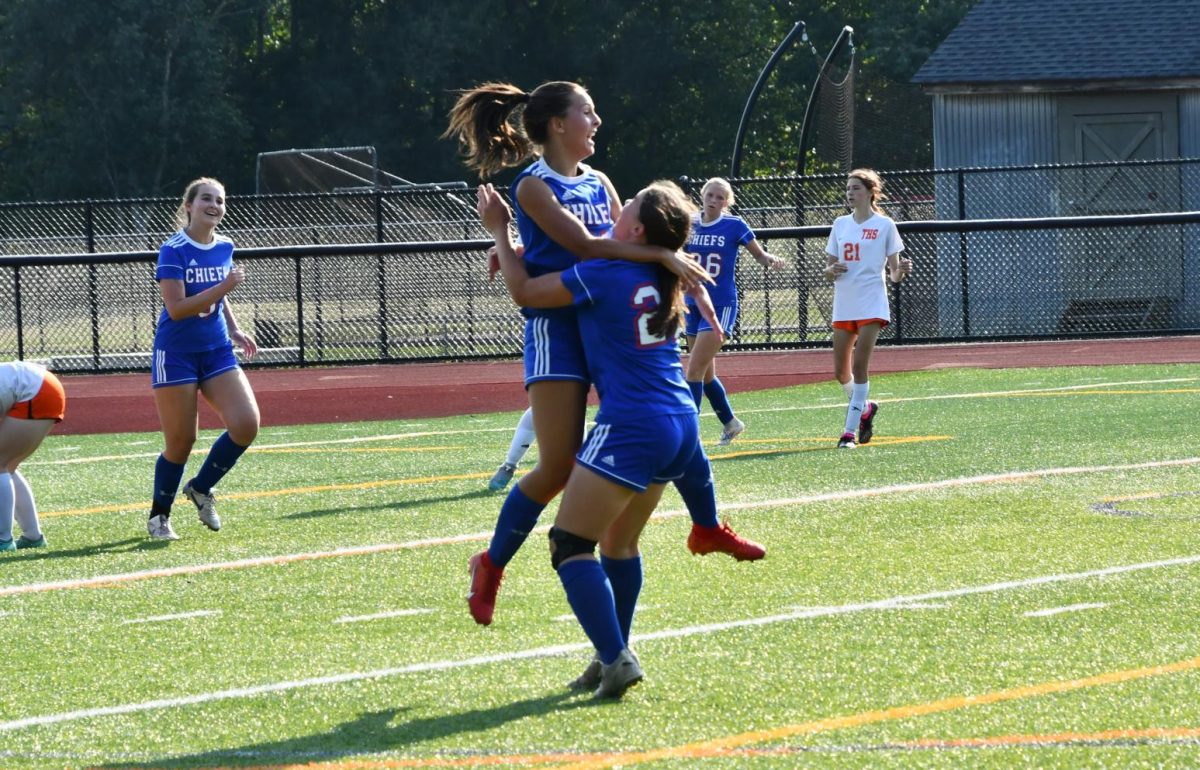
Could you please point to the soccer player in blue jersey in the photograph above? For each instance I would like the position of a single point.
(647, 429)
(564, 212)
(193, 353)
(716, 237)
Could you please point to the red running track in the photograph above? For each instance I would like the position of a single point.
(123, 402)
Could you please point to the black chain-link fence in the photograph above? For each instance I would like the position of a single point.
(413, 287)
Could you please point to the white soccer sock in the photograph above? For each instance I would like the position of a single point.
(858, 402)
(848, 387)
(25, 508)
(6, 506)
(522, 439)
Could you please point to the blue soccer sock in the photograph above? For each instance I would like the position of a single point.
(696, 488)
(591, 597)
(8, 503)
(719, 400)
(697, 389)
(167, 476)
(625, 577)
(221, 459)
(518, 515)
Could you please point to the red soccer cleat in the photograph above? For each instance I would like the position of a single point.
(485, 582)
(722, 539)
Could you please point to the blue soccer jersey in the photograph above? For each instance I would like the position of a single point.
(585, 196)
(717, 244)
(636, 374)
(199, 266)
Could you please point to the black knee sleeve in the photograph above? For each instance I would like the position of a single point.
(564, 545)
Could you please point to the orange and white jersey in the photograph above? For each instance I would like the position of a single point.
(863, 248)
(19, 381)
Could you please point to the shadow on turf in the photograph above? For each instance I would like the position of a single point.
(394, 505)
(117, 546)
(372, 733)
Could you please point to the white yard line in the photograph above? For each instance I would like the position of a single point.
(563, 649)
(421, 434)
(1059, 610)
(177, 616)
(382, 615)
(104, 581)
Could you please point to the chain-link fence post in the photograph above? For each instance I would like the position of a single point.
(300, 312)
(17, 308)
(964, 259)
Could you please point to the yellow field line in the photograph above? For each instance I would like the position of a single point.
(716, 746)
(280, 492)
(318, 451)
(383, 483)
(826, 444)
(737, 745)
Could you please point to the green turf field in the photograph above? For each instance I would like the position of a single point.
(1007, 576)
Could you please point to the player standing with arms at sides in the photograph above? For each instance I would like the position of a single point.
(716, 238)
(564, 212)
(647, 428)
(193, 353)
(31, 402)
(862, 244)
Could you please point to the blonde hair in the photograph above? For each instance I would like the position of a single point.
(182, 217)
(873, 182)
(723, 183)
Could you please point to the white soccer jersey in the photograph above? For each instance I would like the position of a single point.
(860, 292)
(19, 381)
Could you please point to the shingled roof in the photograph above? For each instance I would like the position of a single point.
(1043, 43)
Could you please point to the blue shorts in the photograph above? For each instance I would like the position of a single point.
(639, 453)
(726, 314)
(554, 350)
(181, 368)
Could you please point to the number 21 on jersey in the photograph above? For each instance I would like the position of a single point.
(850, 253)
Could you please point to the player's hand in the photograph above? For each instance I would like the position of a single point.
(688, 268)
(493, 211)
(906, 268)
(493, 260)
(835, 271)
(234, 278)
(774, 262)
(245, 342)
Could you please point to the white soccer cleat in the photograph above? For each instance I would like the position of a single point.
(619, 676)
(733, 429)
(206, 507)
(159, 528)
(502, 476)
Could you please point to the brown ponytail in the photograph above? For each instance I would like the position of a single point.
(666, 216)
(481, 120)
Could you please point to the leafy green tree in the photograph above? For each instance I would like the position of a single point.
(122, 98)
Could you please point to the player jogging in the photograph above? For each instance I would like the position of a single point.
(716, 238)
(193, 353)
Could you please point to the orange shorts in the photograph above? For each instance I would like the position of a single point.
(854, 326)
(50, 403)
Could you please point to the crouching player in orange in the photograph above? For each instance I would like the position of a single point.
(31, 402)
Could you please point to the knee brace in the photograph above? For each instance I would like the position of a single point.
(564, 545)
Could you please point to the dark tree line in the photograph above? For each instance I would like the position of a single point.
(134, 97)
